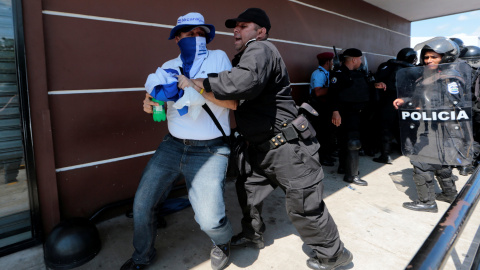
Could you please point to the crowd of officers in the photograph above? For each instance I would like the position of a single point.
(358, 116)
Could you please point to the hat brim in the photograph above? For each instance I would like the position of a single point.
(232, 23)
(210, 29)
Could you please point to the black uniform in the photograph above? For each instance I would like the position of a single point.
(387, 73)
(349, 93)
(283, 150)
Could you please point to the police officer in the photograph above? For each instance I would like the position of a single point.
(283, 150)
(319, 83)
(443, 87)
(385, 82)
(349, 93)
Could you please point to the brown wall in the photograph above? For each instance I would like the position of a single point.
(66, 53)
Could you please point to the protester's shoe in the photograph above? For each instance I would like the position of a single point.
(219, 256)
(445, 198)
(385, 159)
(332, 263)
(355, 180)
(131, 265)
(243, 239)
(466, 170)
(421, 206)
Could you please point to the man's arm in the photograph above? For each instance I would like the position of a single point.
(247, 80)
(320, 91)
(184, 82)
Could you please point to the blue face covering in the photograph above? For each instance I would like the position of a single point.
(192, 52)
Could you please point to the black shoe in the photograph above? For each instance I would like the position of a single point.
(329, 264)
(355, 180)
(242, 239)
(445, 198)
(421, 206)
(335, 153)
(326, 162)
(131, 265)
(361, 152)
(219, 256)
(466, 170)
(386, 159)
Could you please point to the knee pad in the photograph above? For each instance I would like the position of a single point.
(444, 173)
(354, 144)
(422, 177)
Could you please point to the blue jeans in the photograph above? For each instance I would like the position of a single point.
(204, 165)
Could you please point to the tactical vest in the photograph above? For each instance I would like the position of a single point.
(358, 91)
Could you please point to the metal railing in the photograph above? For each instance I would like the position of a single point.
(437, 247)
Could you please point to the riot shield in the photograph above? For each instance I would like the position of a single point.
(436, 116)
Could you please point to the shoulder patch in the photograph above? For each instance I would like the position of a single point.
(453, 88)
(334, 80)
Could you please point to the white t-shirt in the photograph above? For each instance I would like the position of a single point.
(202, 128)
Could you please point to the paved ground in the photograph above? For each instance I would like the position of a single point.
(374, 226)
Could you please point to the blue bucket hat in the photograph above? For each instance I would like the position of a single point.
(190, 21)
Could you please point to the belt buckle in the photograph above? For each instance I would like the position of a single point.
(187, 142)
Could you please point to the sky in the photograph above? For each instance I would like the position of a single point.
(459, 25)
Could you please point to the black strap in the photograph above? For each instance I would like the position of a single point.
(215, 120)
(209, 111)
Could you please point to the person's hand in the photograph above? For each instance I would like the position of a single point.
(381, 85)
(148, 104)
(184, 82)
(398, 103)
(336, 119)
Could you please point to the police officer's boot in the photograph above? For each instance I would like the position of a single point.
(449, 190)
(426, 194)
(351, 169)
(385, 154)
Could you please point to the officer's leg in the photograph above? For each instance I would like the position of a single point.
(447, 183)
(386, 139)
(425, 189)
(351, 165)
(251, 192)
(295, 167)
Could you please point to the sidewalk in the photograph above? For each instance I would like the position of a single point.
(374, 226)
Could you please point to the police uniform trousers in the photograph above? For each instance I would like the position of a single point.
(424, 175)
(294, 167)
(349, 136)
(323, 126)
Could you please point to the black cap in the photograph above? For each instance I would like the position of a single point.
(352, 52)
(254, 15)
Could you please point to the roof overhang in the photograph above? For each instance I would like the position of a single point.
(416, 10)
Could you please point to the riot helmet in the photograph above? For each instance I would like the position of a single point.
(441, 45)
(408, 55)
(460, 44)
(472, 56)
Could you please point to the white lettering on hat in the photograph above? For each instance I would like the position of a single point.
(191, 18)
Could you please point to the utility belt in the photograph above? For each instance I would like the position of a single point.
(296, 129)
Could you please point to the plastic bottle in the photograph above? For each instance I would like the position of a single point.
(158, 111)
